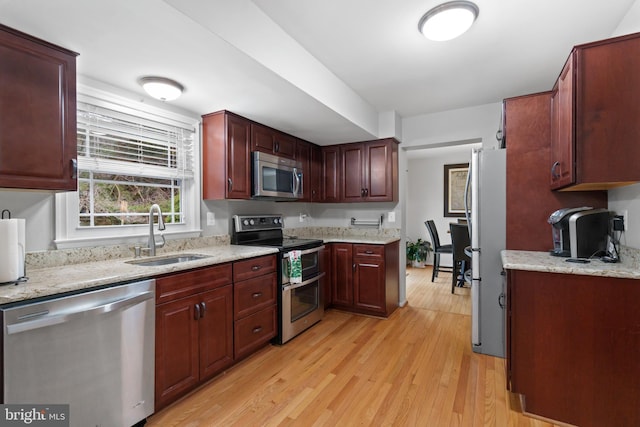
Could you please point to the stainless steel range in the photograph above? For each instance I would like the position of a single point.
(300, 295)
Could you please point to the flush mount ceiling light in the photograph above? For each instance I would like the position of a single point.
(448, 20)
(162, 88)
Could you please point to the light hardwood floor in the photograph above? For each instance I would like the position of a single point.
(414, 369)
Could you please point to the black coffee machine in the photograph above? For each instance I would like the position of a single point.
(579, 232)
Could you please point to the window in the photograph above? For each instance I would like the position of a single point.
(130, 156)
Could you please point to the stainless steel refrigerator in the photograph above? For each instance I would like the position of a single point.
(487, 225)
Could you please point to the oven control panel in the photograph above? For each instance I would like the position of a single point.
(257, 222)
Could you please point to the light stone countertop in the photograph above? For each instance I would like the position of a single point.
(67, 278)
(60, 271)
(629, 268)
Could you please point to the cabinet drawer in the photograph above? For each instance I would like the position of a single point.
(253, 331)
(180, 285)
(253, 295)
(369, 251)
(254, 267)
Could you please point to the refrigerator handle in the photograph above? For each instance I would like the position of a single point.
(467, 209)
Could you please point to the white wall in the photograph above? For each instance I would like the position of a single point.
(425, 196)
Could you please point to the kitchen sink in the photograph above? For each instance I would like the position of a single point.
(173, 259)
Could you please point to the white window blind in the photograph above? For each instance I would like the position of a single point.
(111, 141)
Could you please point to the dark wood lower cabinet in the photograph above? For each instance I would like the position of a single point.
(209, 318)
(194, 341)
(365, 278)
(573, 347)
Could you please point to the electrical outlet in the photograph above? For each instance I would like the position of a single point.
(391, 217)
(211, 218)
(303, 216)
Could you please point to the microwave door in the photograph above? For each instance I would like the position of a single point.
(273, 181)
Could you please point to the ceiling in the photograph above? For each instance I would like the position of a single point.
(323, 70)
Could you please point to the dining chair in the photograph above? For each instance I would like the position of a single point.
(461, 261)
(438, 249)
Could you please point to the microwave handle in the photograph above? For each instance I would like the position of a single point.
(296, 182)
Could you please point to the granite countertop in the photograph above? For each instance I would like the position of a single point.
(629, 268)
(55, 280)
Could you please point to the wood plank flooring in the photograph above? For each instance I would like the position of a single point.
(414, 369)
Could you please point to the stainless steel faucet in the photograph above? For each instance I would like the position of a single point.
(152, 245)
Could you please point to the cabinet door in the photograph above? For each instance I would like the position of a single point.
(215, 331)
(177, 358)
(562, 131)
(316, 174)
(342, 266)
(379, 171)
(37, 114)
(368, 285)
(352, 168)
(238, 158)
(331, 174)
(303, 155)
(284, 145)
(262, 139)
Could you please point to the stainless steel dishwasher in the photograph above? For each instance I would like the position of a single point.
(93, 350)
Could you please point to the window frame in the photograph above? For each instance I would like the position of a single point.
(68, 233)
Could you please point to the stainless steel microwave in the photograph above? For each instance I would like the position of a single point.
(276, 177)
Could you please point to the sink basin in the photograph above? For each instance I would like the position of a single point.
(173, 259)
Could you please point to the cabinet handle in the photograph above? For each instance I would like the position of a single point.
(362, 192)
(74, 168)
(204, 309)
(257, 329)
(366, 192)
(230, 184)
(256, 267)
(277, 146)
(501, 300)
(354, 266)
(554, 175)
(197, 312)
(257, 295)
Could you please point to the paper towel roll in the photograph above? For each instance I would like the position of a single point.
(22, 244)
(9, 252)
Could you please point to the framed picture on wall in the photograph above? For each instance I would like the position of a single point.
(455, 178)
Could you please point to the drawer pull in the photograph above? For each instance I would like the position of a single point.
(257, 295)
(256, 267)
(257, 329)
(369, 252)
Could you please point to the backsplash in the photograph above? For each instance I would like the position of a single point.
(60, 257)
(342, 231)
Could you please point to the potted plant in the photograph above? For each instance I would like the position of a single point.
(417, 252)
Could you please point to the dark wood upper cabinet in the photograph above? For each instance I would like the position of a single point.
(271, 141)
(529, 199)
(315, 181)
(595, 127)
(37, 113)
(226, 156)
(303, 155)
(369, 171)
(331, 174)
(352, 168)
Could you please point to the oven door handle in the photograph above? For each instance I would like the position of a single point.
(290, 286)
(306, 251)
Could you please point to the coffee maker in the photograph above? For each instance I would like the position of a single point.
(579, 232)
